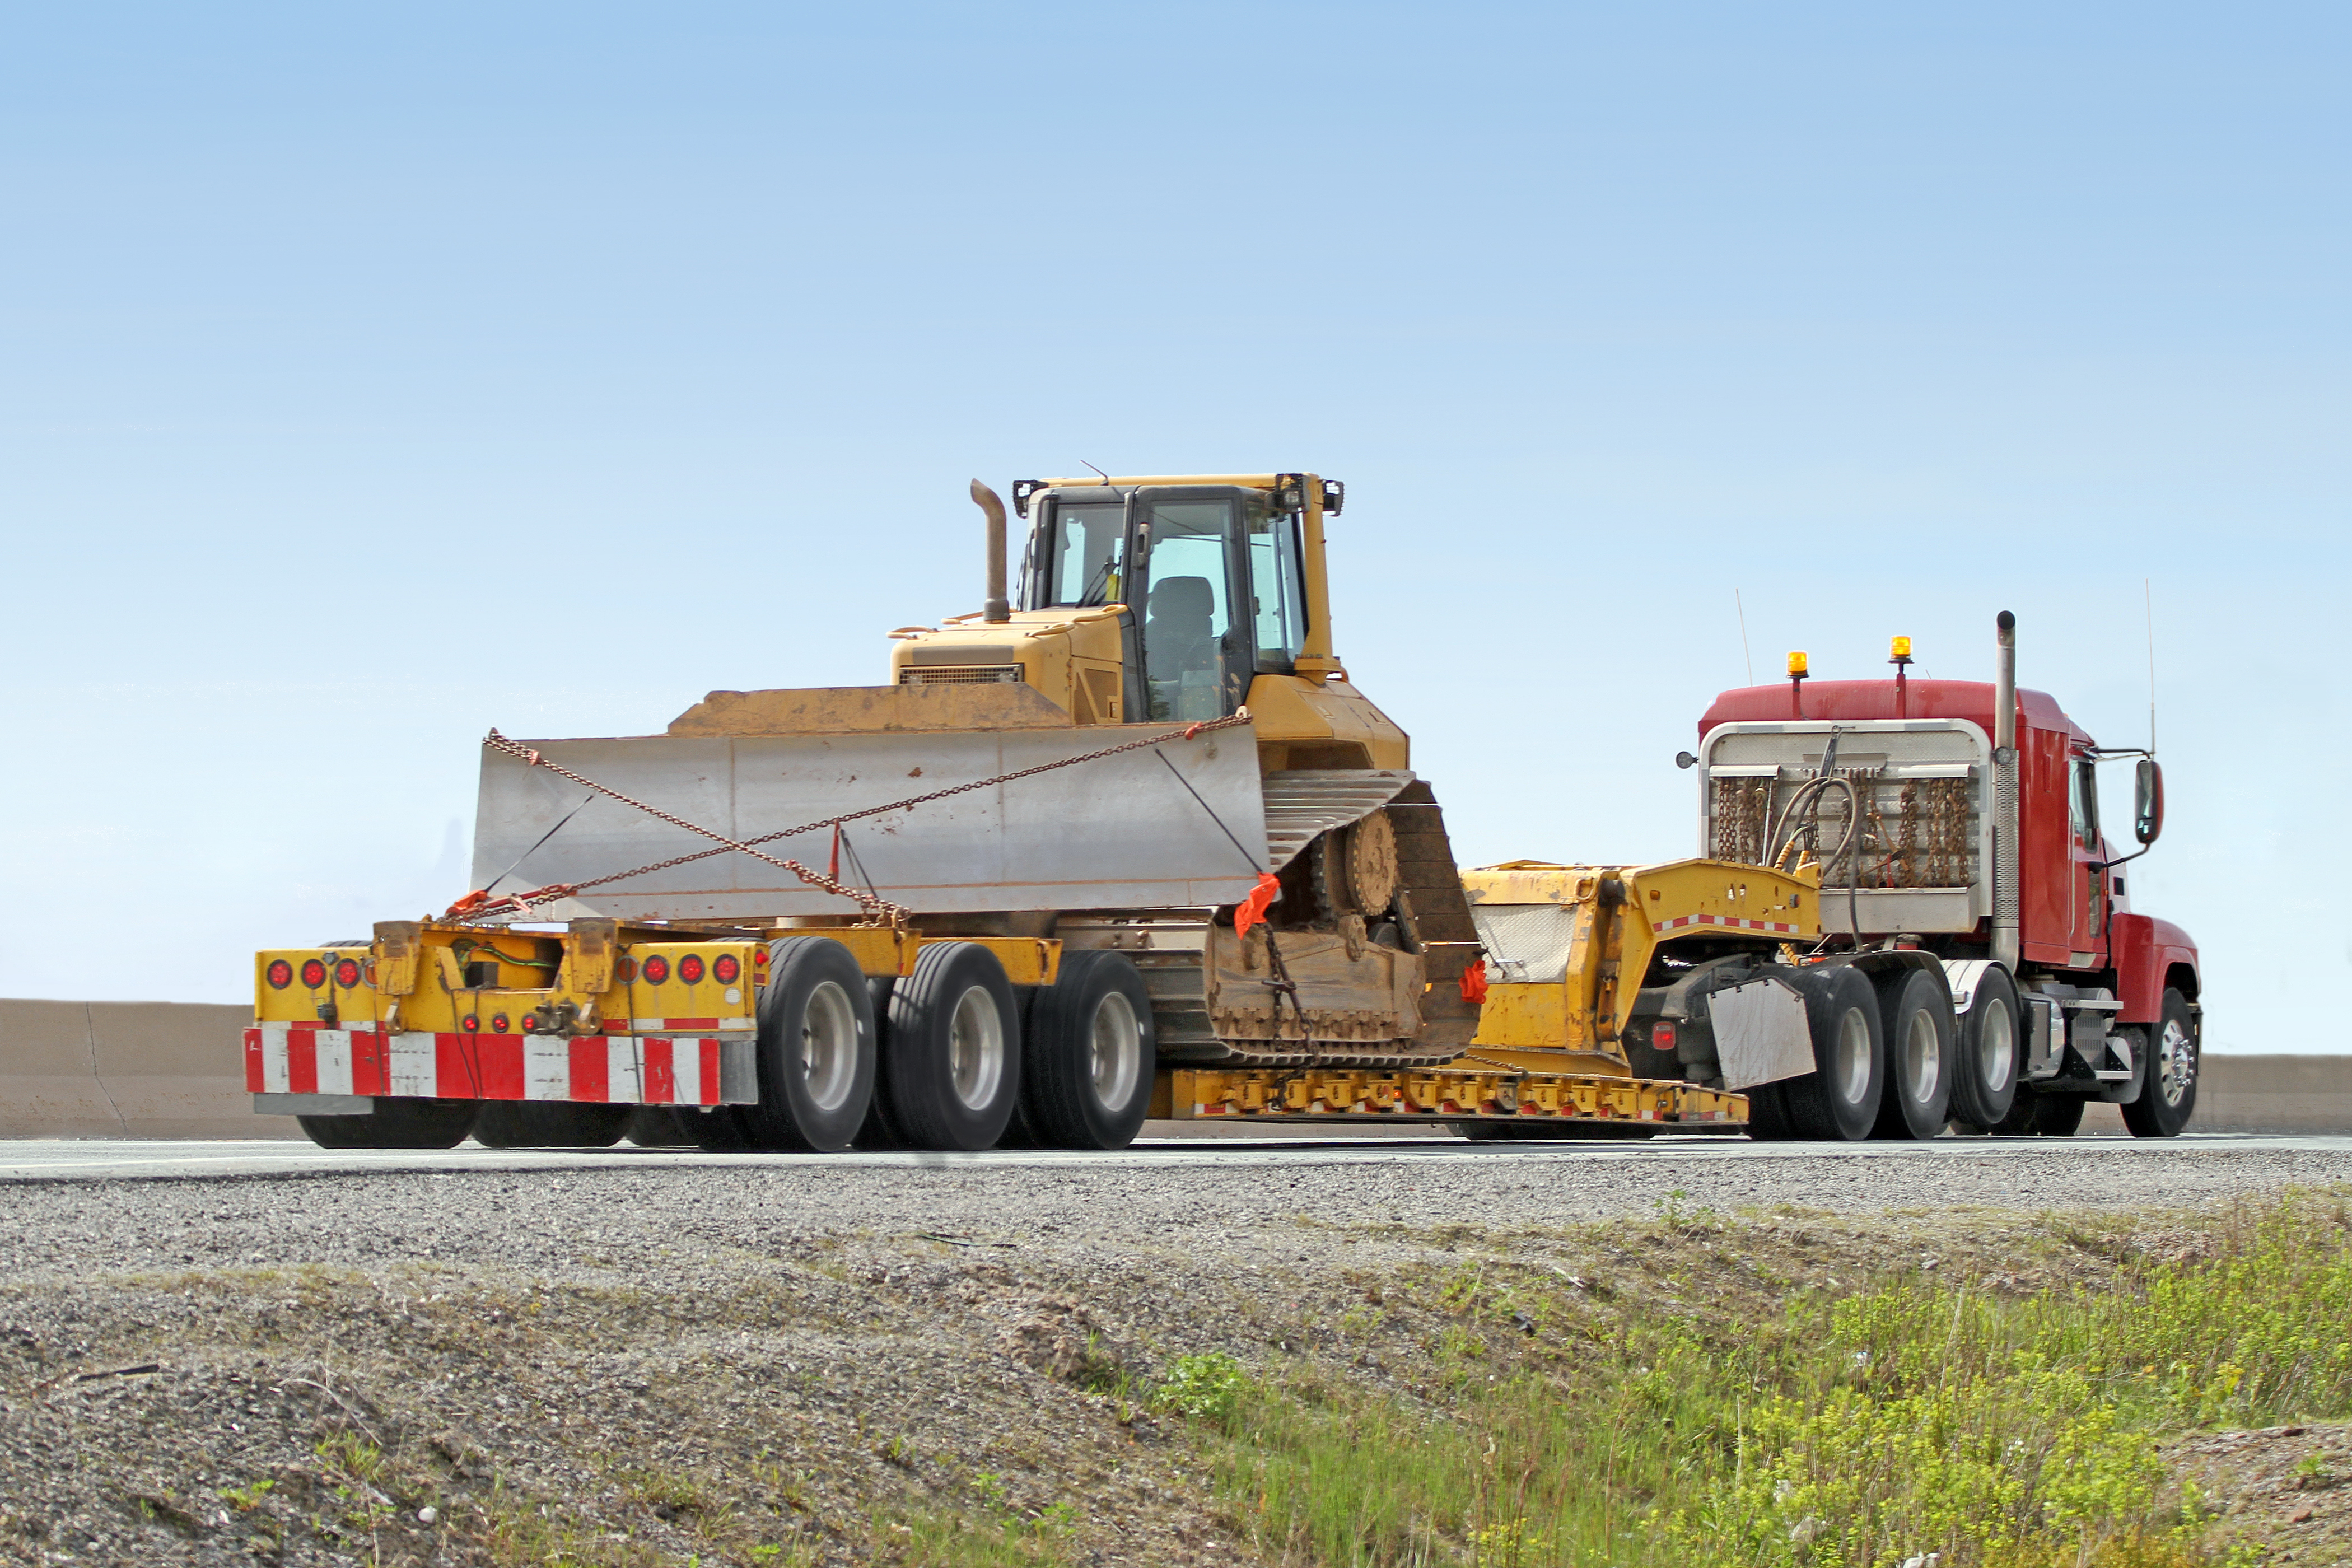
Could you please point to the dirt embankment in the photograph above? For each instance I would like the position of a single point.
(525, 1368)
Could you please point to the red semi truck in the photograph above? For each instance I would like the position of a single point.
(1961, 819)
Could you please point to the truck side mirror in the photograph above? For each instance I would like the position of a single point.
(2148, 800)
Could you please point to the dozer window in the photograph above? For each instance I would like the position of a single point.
(1187, 613)
(1088, 553)
(1276, 587)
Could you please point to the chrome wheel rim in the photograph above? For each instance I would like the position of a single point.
(1852, 1064)
(1995, 1047)
(976, 1048)
(1115, 1044)
(2176, 1062)
(1923, 1058)
(828, 1047)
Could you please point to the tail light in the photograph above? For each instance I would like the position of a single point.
(281, 975)
(655, 970)
(724, 969)
(689, 969)
(347, 972)
(498, 1023)
(1662, 1036)
(469, 1023)
(314, 973)
(625, 971)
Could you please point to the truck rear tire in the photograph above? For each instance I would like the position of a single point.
(2167, 1089)
(1087, 1073)
(1914, 1020)
(954, 1074)
(545, 1125)
(816, 1050)
(1839, 1099)
(1985, 1071)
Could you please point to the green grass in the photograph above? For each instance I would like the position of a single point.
(1919, 1415)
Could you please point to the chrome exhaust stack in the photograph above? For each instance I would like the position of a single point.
(2004, 797)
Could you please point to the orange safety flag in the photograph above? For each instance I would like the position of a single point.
(1252, 910)
(1473, 981)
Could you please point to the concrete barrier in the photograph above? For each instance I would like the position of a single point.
(128, 1070)
(176, 1069)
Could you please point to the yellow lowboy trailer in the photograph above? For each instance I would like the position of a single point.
(1578, 1028)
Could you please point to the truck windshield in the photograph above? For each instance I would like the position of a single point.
(1086, 552)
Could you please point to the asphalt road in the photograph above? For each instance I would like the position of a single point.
(2102, 1160)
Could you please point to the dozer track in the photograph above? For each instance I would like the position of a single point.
(1360, 963)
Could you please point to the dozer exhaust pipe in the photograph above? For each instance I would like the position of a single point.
(994, 608)
(2004, 795)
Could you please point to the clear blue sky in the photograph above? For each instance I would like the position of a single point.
(373, 376)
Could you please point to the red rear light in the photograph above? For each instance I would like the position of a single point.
(689, 969)
(280, 973)
(314, 973)
(655, 970)
(725, 969)
(498, 1023)
(469, 1023)
(1662, 1036)
(347, 972)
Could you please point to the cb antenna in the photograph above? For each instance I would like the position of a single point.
(2148, 595)
(1106, 478)
(1737, 604)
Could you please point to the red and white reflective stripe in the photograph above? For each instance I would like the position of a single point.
(686, 1025)
(296, 1059)
(1730, 921)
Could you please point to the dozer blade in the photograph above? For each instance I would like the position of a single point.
(1115, 832)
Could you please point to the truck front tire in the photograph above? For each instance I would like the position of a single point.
(954, 1072)
(1915, 1022)
(2167, 1089)
(1839, 1099)
(1087, 1077)
(1985, 1071)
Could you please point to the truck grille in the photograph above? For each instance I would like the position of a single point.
(961, 675)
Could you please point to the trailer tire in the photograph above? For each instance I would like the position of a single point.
(1839, 1099)
(1985, 1071)
(544, 1124)
(1087, 1073)
(719, 1130)
(2059, 1115)
(954, 1075)
(816, 1052)
(880, 1132)
(412, 1124)
(336, 1131)
(656, 1127)
(1916, 1023)
(2167, 1089)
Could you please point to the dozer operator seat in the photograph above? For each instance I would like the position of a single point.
(1179, 649)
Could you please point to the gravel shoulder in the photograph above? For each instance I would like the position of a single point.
(764, 1364)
